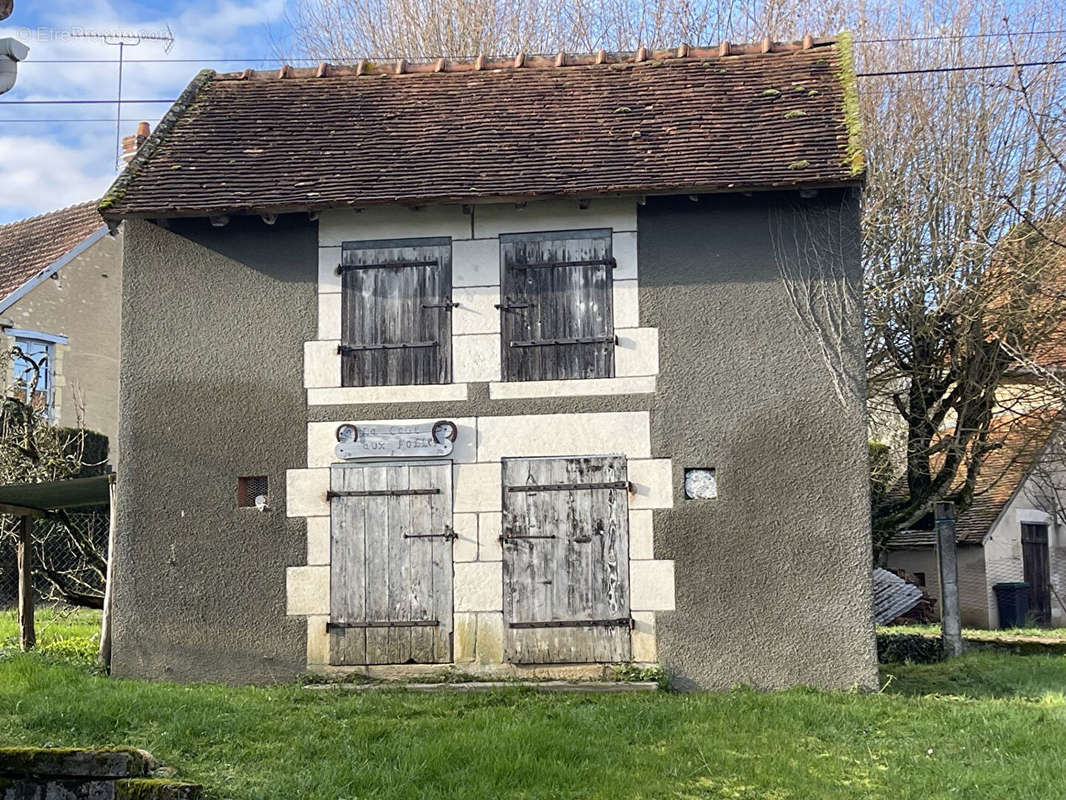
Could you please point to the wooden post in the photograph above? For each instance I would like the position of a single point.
(105, 627)
(948, 564)
(27, 631)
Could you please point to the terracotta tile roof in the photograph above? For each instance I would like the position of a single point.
(761, 117)
(30, 245)
(1003, 471)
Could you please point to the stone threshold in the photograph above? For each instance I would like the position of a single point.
(591, 687)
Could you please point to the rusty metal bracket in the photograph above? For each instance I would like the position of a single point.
(348, 349)
(575, 623)
(377, 492)
(342, 268)
(384, 623)
(589, 262)
(449, 535)
(568, 340)
(562, 487)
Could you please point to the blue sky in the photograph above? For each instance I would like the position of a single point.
(48, 165)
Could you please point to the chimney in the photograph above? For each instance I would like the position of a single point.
(131, 144)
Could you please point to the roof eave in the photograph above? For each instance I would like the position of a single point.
(45, 273)
(117, 213)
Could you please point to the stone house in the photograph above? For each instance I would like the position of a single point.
(60, 284)
(1012, 531)
(493, 364)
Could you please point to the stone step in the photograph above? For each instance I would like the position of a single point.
(485, 686)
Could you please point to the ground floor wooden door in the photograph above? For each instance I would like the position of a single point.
(390, 564)
(566, 560)
(1037, 569)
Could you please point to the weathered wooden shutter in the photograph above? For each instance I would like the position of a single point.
(396, 309)
(556, 311)
(391, 564)
(566, 560)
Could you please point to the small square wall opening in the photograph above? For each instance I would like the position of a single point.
(700, 483)
(249, 488)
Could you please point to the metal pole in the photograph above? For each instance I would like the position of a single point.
(27, 631)
(948, 564)
(118, 111)
(109, 589)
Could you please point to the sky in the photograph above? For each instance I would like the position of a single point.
(68, 159)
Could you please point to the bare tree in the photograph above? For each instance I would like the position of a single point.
(961, 285)
(350, 29)
(34, 450)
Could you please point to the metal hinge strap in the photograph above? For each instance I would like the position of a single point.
(346, 349)
(377, 492)
(513, 538)
(589, 262)
(571, 340)
(448, 535)
(575, 623)
(447, 305)
(395, 264)
(563, 487)
(384, 623)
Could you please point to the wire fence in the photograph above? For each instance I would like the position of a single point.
(70, 558)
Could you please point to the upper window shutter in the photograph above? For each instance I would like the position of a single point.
(396, 312)
(557, 319)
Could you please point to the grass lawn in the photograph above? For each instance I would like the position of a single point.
(987, 725)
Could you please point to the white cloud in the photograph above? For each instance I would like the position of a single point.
(47, 166)
(41, 174)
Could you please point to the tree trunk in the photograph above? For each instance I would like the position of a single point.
(27, 631)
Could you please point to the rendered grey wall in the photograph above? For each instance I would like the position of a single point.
(773, 577)
(213, 325)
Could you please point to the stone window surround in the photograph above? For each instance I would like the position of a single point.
(477, 508)
(476, 346)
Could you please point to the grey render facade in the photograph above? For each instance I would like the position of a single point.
(238, 337)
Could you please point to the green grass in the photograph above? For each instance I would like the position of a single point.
(986, 725)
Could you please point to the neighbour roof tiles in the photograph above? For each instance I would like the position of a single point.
(764, 116)
(1002, 472)
(30, 245)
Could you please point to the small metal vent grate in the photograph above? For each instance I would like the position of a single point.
(249, 488)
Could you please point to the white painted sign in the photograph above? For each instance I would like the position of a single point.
(384, 440)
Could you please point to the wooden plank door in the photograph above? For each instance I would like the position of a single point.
(566, 560)
(396, 312)
(556, 312)
(391, 564)
(1037, 570)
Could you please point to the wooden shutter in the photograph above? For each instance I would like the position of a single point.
(566, 560)
(390, 564)
(396, 311)
(556, 311)
(1037, 571)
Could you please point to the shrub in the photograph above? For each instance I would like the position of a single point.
(911, 647)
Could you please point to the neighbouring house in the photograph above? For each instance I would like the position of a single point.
(60, 284)
(1012, 531)
(500, 365)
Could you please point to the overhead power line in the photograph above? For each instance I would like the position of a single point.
(967, 68)
(342, 58)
